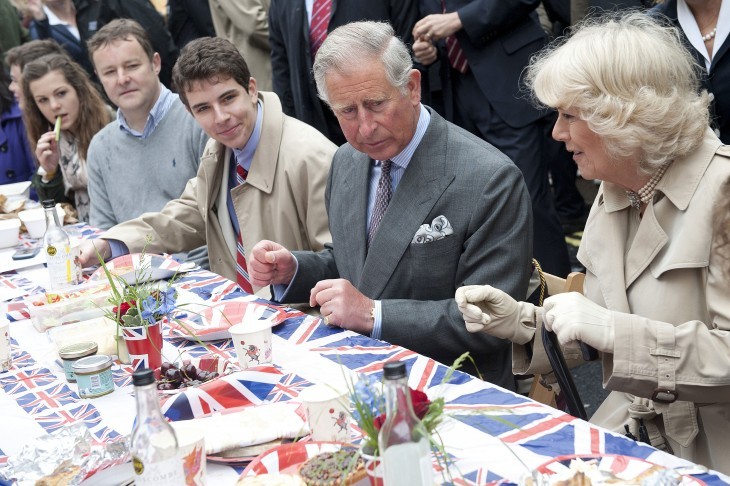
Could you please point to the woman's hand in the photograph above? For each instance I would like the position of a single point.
(47, 152)
(491, 311)
(573, 317)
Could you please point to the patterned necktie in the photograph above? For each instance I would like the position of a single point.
(242, 278)
(321, 13)
(457, 59)
(382, 199)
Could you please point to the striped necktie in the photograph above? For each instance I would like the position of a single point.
(321, 13)
(382, 199)
(457, 59)
(242, 278)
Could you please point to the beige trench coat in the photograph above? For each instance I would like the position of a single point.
(672, 275)
(246, 24)
(282, 200)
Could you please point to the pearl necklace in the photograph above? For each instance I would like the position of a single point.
(710, 36)
(644, 195)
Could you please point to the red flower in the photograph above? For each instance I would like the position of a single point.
(123, 308)
(420, 403)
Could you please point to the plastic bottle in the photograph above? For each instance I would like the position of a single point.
(62, 267)
(155, 453)
(403, 440)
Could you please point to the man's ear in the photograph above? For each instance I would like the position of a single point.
(252, 89)
(156, 63)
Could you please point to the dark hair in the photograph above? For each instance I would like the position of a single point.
(93, 112)
(120, 30)
(208, 58)
(30, 51)
(6, 97)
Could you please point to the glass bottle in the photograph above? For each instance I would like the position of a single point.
(155, 453)
(62, 267)
(403, 440)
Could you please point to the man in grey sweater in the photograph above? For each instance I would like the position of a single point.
(144, 159)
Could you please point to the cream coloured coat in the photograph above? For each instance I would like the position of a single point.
(672, 275)
(246, 24)
(282, 200)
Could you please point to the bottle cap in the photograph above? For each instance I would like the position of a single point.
(143, 377)
(48, 203)
(393, 370)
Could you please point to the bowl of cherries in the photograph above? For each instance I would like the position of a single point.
(174, 378)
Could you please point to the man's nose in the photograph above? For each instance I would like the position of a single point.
(367, 123)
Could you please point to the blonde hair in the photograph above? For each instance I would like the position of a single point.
(634, 83)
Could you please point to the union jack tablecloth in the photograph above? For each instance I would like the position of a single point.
(491, 434)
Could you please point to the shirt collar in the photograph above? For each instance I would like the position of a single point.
(679, 182)
(692, 31)
(156, 114)
(244, 156)
(403, 159)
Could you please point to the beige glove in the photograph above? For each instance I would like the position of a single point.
(489, 310)
(573, 317)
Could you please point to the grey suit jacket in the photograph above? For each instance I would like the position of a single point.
(481, 192)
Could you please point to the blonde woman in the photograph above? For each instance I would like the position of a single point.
(656, 292)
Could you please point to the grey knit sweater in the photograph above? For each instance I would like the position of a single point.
(129, 176)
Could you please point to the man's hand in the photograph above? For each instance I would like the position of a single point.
(343, 305)
(491, 311)
(270, 263)
(89, 249)
(437, 26)
(573, 317)
(424, 52)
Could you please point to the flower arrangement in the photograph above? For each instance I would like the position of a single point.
(366, 395)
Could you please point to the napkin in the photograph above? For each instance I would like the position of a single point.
(250, 426)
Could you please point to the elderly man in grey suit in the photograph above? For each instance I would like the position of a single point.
(417, 207)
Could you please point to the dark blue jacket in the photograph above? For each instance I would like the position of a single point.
(16, 161)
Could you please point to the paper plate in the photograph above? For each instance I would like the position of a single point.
(286, 458)
(624, 468)
(126, 265)
(210, 322)
(241, 455)
(121, 474)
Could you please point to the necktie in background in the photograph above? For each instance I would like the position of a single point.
(382, 199)
(321, 13)
(457, 59)
(242, 278)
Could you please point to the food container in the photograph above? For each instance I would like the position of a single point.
(73, 304)
(35, 220)
(9, 232)
(94, 376)
(72, 353)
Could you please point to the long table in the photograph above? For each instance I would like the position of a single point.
(490, 433)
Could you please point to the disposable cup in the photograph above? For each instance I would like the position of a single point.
(252, 340)
(328, 413)
(4, 345)
(191, 443)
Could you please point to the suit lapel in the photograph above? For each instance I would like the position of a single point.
(422, 185)
(355, 184)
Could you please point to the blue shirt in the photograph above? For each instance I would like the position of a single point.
(158, 112)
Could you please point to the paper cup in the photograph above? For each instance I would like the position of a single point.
(191, 443)
(4, 345)
(252, 341)
(328, 413)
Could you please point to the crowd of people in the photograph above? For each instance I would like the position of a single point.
(399, 165)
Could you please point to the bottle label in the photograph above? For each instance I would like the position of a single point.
(61, 266)
(408, 463)
(167, 472)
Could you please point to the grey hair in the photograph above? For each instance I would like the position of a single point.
(630, 77)
(350, 44)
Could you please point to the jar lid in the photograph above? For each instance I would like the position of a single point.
(91, 364)
(78, 350)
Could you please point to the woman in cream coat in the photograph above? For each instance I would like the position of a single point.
(657, 298)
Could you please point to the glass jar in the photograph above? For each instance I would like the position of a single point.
(72, 353)
(94, 376)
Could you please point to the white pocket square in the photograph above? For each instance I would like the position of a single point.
(437, 230)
